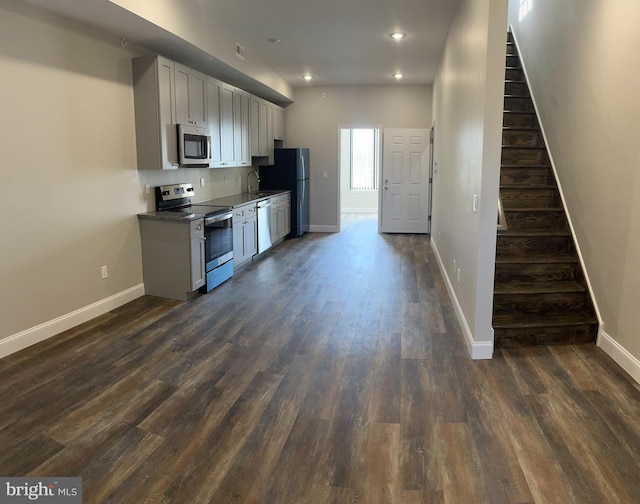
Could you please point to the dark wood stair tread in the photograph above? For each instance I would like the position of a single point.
(527, 167)
(529, 186)
(552, 319)
(531, 209)
(537, 232)
(536, 259)
(524, 147)
(537, 287)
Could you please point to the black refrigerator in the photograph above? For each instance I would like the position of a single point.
(290, 171)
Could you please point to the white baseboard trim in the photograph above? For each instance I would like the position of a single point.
(619, 354)
(478, 350)
(324, 229)
(33, 335)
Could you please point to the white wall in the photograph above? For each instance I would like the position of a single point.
(581, 59)
(71, 190)
(468, 119)
(314, 120)
(196, 22)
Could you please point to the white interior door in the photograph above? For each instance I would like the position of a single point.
(404, 188)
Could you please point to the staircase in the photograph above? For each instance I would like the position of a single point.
(540, 295)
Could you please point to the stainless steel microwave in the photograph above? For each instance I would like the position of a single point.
(194, 146)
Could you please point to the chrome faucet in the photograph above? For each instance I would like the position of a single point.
(253, 172)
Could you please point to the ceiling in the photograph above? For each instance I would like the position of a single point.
(342, 42)
(338, 42)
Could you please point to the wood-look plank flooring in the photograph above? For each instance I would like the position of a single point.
(332, 370)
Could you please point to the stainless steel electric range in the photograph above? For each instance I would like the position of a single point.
(218, 231)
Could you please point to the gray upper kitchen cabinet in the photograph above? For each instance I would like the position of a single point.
(191, 96)
(258, 119)
(227, 125)
(277, 124)
(154, 105)
(241, 128)
(214, 119)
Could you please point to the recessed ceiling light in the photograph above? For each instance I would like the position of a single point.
(397, 35)
(307, 77)
(398, 75)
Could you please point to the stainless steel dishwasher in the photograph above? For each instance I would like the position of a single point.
(264, 225)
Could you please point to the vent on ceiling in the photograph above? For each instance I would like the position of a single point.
(239, 51)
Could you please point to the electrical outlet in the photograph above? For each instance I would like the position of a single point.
(147, 189)
(105, 272)
(202, 182)
(475, 203)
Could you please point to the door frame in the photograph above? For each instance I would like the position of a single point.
(340, 167)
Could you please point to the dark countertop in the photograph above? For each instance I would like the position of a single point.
(233, 201)
(243, 198)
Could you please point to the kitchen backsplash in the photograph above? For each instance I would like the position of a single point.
(218, 182)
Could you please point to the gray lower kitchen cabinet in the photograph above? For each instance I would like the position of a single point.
(154, 105)
(173, 262)
(280, 217)
(245, 234)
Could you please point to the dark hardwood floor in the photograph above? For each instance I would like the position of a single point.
(333, 370)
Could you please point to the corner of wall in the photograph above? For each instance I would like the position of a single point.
(478, 350)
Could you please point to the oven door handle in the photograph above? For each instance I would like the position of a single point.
(218, 218)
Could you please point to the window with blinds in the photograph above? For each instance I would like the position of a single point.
(364, 160)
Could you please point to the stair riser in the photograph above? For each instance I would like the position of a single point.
(519, 245)
(539, 304)
(524, 157)
(513, 74)
(563, 335)
(520, 120)
(520, 138)
(512, 61)
(553, 272)
(516, 89)
(511, 49)
(518, 198)
(553, 220)
(524, 176)
(521, 104)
